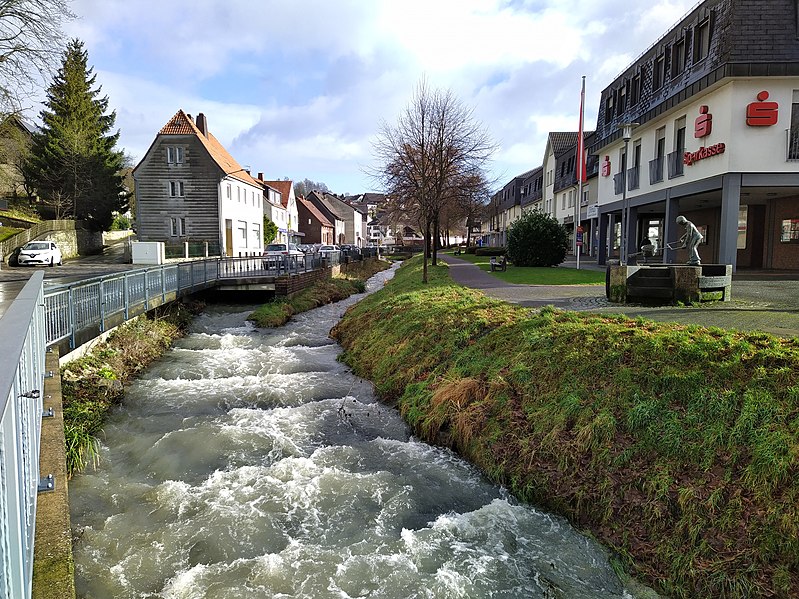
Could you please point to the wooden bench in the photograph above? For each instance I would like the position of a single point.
(500, 264)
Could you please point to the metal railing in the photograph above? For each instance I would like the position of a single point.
(21, 388)
(74, 307)
(41, 316)
(23, 237)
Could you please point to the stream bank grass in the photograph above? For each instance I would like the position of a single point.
(279, 311)
(93, 384)
(676, 445)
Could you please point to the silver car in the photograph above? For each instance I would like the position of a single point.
(36, 253)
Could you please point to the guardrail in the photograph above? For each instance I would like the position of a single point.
(21, 387)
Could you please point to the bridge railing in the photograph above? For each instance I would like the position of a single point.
(73, 307)
(22, 329)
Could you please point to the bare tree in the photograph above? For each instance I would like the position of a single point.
(433, 154)
(30, 43)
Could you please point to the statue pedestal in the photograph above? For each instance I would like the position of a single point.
(669, 283)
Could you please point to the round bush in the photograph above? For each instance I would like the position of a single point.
(537, 239)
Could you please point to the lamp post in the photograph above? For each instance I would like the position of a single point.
(626, 134)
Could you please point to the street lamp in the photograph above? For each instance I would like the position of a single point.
(626, 134)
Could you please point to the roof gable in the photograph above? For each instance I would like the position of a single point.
(315, 212)
(183, 124)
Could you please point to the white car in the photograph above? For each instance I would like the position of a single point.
(281, 249)
(326, 250)
(39, 253)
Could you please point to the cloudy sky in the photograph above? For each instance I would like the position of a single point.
(299, 88)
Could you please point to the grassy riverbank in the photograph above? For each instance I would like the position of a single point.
(93, 384)
(676, 445)
(278, 312)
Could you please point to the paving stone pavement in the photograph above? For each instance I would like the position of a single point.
(761, 301)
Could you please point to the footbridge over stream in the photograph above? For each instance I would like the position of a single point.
(47, 320)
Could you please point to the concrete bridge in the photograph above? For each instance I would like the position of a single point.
(39, 323)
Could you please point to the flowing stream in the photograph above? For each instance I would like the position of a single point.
(251, 463)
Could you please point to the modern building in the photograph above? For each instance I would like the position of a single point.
(189, 189)
(713, 114)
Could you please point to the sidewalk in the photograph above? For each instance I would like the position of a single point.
(761, 301)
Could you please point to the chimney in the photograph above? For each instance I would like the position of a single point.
(260, 176)
(190, 117)
(202, 124)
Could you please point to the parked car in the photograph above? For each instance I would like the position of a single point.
(327, 250)
(282, 249)
(39, 253)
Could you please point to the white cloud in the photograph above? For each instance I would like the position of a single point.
(298, 86)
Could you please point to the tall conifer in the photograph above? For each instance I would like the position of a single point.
(74, 165)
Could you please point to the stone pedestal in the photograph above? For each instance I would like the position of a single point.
(669, 283)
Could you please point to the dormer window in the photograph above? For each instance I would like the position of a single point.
(702, 40)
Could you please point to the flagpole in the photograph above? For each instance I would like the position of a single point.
(581, 166)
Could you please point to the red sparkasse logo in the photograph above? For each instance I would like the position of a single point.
(690, 157)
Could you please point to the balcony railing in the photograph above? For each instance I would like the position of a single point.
(618, 183)
(675, 164)
(656, 170)
(792, 143)
(633, 178)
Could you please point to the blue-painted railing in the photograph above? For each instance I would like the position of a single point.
(21, 387)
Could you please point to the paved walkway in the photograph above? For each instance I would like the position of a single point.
(761, 301)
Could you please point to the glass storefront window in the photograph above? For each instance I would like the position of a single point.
(790, 231)
(742, 214)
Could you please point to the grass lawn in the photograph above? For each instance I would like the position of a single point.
(6, 232)
(531, 275)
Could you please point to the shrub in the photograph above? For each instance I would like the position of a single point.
(537, 239)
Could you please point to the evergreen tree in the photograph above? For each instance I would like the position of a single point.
(74, 165)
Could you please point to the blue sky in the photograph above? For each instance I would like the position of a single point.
(299, 88)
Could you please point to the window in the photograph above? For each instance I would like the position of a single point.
(238, 194)
(174, 155)
(620, 107)
(701, 40)
(790, 231)
(242, 227)
(679, 135)
(656, 165)
(173, 227)
(675, 159)
(176, 189)
(228, 191)
(660, 142)
(609, 109)
(793, 132)
(635, 90)
(658, 72)
(742, 218)
(678, 57)
(182, 226)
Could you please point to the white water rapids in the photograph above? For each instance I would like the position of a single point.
(251, 463)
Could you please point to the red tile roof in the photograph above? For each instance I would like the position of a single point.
(313, 210)
(284, 187)
(181, 124)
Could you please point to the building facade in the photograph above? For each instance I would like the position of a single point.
(714, 105)
(190, 189)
